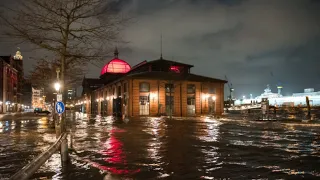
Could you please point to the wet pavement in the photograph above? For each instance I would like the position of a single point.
(159, 148)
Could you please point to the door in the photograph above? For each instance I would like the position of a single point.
(191, 106)
(104, 108)
(117, 110)
(211, 104)
(169, 105)
(144, 105)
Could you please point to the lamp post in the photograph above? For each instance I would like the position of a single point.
(64, 144)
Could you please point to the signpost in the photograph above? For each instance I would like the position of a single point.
(60, 107)
(59, 97)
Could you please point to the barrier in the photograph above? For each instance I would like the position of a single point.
(27, 171)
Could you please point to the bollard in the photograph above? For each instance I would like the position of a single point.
(64, 150)
(64, 143)
(309, 108)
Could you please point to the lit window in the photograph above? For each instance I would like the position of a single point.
(144, 87)
(191, 89)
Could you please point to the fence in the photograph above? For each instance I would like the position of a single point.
(27, 171)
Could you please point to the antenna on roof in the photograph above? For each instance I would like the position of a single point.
(116, 52)
(161, 46)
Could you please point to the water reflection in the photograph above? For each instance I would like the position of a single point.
(151, 148)
(20, 141)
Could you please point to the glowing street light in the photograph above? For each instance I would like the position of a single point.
(57, 86)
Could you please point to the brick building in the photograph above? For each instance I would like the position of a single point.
(11, 83)
(151, 88)
(8, 85)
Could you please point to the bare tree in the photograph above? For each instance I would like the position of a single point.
(77, 31)
(44, 73)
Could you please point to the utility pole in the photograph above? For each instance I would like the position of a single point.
(64, 144)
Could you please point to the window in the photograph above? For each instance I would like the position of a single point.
(169, 87)
(144, 87)
(191, 89)
(212, 90)
(191, 100)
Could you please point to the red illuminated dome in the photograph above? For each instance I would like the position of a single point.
(116, 65)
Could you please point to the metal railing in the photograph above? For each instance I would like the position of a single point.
(27, 171)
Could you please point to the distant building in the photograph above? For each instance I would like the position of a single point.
(8, 85)
(38, 98)
(277, 99)
(18, 65)
(11, 83)
(151, 88)
(72, 93)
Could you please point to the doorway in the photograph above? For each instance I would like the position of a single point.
(191, 106)
(169, 89)
(117, 109)
(144, 105)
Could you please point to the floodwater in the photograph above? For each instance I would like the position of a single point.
(159, 148)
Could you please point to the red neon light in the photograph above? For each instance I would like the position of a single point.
(116, 66)
(175, 69)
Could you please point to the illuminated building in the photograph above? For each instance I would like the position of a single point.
(18, 65)
(72, 93)
(38, 98)
(8, 84)
(151, 88)
(11, 84)
(277, 99)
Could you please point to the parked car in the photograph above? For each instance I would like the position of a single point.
(40, 111)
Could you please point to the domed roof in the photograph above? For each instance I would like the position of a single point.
(116, 65)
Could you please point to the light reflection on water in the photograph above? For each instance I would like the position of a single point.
(150, 148)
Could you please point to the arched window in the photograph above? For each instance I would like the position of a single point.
(144, 87)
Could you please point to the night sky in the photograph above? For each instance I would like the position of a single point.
(253, 42)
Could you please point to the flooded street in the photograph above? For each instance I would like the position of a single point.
(159, 148)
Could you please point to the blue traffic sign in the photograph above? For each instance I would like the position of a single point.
(60, 107)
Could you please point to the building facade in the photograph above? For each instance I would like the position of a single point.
(72, 94)
(38, 98)
(11, 83)
(8, 85)
(18, 65)
(151, 88)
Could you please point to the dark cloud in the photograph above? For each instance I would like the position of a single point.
(243, 39)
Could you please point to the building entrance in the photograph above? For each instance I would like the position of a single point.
(117, 110)
(191, 106)
(144, 105)
(169, 88)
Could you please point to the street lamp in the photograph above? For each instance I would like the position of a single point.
(57, 86)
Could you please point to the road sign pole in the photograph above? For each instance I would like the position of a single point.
(60, 108)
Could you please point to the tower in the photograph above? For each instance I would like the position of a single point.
(18, 64)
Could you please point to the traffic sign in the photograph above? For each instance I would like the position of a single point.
(59, 97)
(60, 107)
